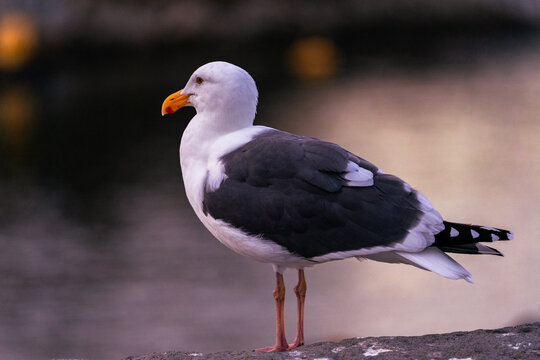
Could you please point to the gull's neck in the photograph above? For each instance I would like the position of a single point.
(221, 123)
(206, 128)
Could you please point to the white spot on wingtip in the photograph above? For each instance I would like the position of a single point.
(454, 232)
(474, 234)
(510, 236)
(494, 237)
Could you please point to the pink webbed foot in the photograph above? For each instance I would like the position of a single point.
(274, 348)
(295, 344)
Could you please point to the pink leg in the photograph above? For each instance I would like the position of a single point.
(300, 291)
(279, 295)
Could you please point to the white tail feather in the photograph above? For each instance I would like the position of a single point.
(431, 258)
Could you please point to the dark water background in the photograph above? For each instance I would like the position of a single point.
(101, 256)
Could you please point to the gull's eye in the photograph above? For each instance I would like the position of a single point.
(199, 80)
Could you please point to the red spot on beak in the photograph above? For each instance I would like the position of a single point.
(169, 110)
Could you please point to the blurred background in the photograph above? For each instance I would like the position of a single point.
(102, 257)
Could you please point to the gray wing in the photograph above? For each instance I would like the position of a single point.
(311, 196)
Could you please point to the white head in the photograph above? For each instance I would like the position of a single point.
(220, 91)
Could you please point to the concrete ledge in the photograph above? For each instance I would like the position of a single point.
(517, 342)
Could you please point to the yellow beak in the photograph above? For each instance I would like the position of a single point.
(174, 102)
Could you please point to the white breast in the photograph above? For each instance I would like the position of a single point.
(200, 158)
(202, 167)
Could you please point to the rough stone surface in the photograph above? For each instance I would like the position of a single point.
(517, 342)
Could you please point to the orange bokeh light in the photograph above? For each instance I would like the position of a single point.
(18, 40)
(313, 58)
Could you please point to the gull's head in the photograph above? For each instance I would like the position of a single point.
(216, 88)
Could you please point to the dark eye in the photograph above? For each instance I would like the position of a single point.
(199, 80)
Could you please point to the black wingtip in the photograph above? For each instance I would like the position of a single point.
(456, 233)
(495, 251)
(470, 248)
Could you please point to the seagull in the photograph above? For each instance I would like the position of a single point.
(296, 201)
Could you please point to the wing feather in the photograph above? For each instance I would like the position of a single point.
(315, 198)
